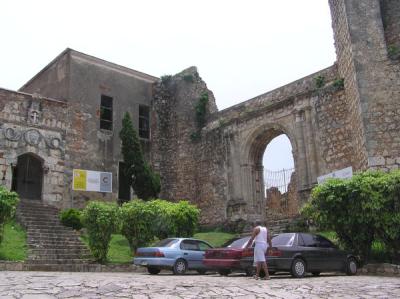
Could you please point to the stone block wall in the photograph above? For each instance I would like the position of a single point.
(347, 69)
(34, 125)
(371, 78)
(176, 155)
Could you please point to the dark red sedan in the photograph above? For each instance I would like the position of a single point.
(228, 258)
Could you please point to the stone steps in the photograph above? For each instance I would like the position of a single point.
(51, 246)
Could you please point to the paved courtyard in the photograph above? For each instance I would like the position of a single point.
(46, 285)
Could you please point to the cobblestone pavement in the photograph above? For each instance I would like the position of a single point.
(46, 285)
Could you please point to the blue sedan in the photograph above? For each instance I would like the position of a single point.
(176, 254)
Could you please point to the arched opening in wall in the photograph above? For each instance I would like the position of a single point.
(280, 179)
(28, 176)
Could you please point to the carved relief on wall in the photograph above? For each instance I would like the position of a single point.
(34, 110)
(32, 137)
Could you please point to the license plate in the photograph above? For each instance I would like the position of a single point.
(144, 263)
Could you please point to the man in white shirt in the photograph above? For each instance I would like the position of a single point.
(261, 238)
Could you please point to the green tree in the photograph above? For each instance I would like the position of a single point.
(143, 180)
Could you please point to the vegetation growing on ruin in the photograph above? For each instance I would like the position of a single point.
(338, 83)
(165, 79)
(319, 81)
(363, 211)
(393, 51)
(188, 78)
(143, 180)
(201, 115)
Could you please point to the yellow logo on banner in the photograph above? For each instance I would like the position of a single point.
(79, 181)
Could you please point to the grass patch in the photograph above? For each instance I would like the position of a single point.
(214, 238)
(13, 247)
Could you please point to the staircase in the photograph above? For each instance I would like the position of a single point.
(51, 246)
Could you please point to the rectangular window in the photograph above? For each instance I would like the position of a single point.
(106, 113)
(144, 123)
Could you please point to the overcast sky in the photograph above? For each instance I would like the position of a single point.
(241, 48)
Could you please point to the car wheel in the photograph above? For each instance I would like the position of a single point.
(352, 267)
(249, 271)
(298, 268)
(315, 273)
(224, 272)
(153, 270)
(180, 267)
(201, 271)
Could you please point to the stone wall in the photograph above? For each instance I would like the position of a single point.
(347, 69)
(39, 126)
(176, 155)
(372, 80)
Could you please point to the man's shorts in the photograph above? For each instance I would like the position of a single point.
(259, 252)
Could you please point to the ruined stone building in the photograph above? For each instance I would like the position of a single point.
(348, 115)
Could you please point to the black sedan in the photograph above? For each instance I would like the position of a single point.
(299, 253)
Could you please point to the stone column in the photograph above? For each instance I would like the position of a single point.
(302, 176)
(312, 162)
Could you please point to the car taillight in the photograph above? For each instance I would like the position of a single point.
(275, 252)
(231, 254)
(248, 252)
(159, 254)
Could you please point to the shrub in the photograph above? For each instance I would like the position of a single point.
(186, 218)
(100, 220)
(164, 225)
(137, 218)
(71, 218)
(360, 210)
(8, 205)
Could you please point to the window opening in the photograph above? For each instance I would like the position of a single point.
(106, 113)
(144, 123)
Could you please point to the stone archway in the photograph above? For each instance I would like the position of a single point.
(252, 164)
(28, 176)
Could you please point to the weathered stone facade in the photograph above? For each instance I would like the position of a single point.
(351, 119)
(345, 115)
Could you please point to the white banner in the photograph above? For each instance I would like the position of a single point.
(344, 173)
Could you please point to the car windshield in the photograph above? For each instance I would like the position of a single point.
(283, 240)
(166, 243)
(237, 243)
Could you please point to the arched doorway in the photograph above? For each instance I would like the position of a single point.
(252, 168)
(280, 179)
(28, 176)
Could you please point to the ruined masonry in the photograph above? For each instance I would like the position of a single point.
(348, 115)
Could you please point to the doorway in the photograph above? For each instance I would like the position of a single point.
(124, 184)
(28, 177)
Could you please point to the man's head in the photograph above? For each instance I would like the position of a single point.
(258, 222)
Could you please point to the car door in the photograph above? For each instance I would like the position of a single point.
(312, 253)
(202, 246)
(192, 254)
(334, 257)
